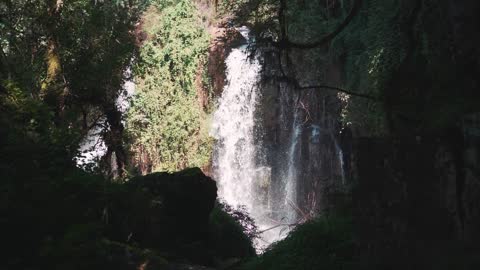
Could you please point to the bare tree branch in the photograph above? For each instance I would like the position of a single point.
(297, 86)
(328, 87)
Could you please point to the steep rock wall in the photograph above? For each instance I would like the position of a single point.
(410, 154)
(416, 188)
(416, 197)
(314, 113)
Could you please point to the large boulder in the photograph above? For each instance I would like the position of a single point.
(165, 211)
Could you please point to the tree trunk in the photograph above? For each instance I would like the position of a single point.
(114, 142)
(54, 89)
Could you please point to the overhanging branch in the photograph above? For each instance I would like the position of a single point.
(338, 89)
(297, 86)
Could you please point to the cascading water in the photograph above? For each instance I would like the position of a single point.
(233, 128)
(241, 177)
(93, 147)
(290, 178)
(340, 161)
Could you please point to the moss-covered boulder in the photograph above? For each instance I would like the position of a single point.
(165, 211)
(227, 238)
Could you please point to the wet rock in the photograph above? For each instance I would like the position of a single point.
(224, 38)
(313, 113)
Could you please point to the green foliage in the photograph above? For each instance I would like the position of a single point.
(370, 48)
(56, 214)
(100, 46)
(231, 6)
(372, 51)
(32, 134)
(165, 118)
(94, 42)
(260, 15)
(43, 196)
(309, 20)
(374, 45)
(419, 87)
(62, 67)
(323, 243)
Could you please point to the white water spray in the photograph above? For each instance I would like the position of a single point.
(291, 176)
(233, 128)
(93, 147)
(241, 179)
(340, 161)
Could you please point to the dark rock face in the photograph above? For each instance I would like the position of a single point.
(417, 197)
(158, 221)
(315, 112)
(415, 191)
(471, 185)
(167, 212)
(224, 39)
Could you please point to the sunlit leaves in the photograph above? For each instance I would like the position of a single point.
(165, 117)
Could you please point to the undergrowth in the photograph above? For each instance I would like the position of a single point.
(323, 243)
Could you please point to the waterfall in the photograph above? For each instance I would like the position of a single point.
(92, 147)
(242, 178)
(233, 128)
(340, 161)
(290, 178)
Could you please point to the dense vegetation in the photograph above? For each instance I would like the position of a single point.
(323, 243)
(62, 67)
(166, 123)
(395, 57)
(61, 70)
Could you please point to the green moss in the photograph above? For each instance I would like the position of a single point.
(425, 91)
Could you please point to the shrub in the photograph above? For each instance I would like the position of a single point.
(323, 243)
(165, 122)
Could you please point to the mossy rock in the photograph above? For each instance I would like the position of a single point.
(82, 247)
(165, 211)
(227, 238)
